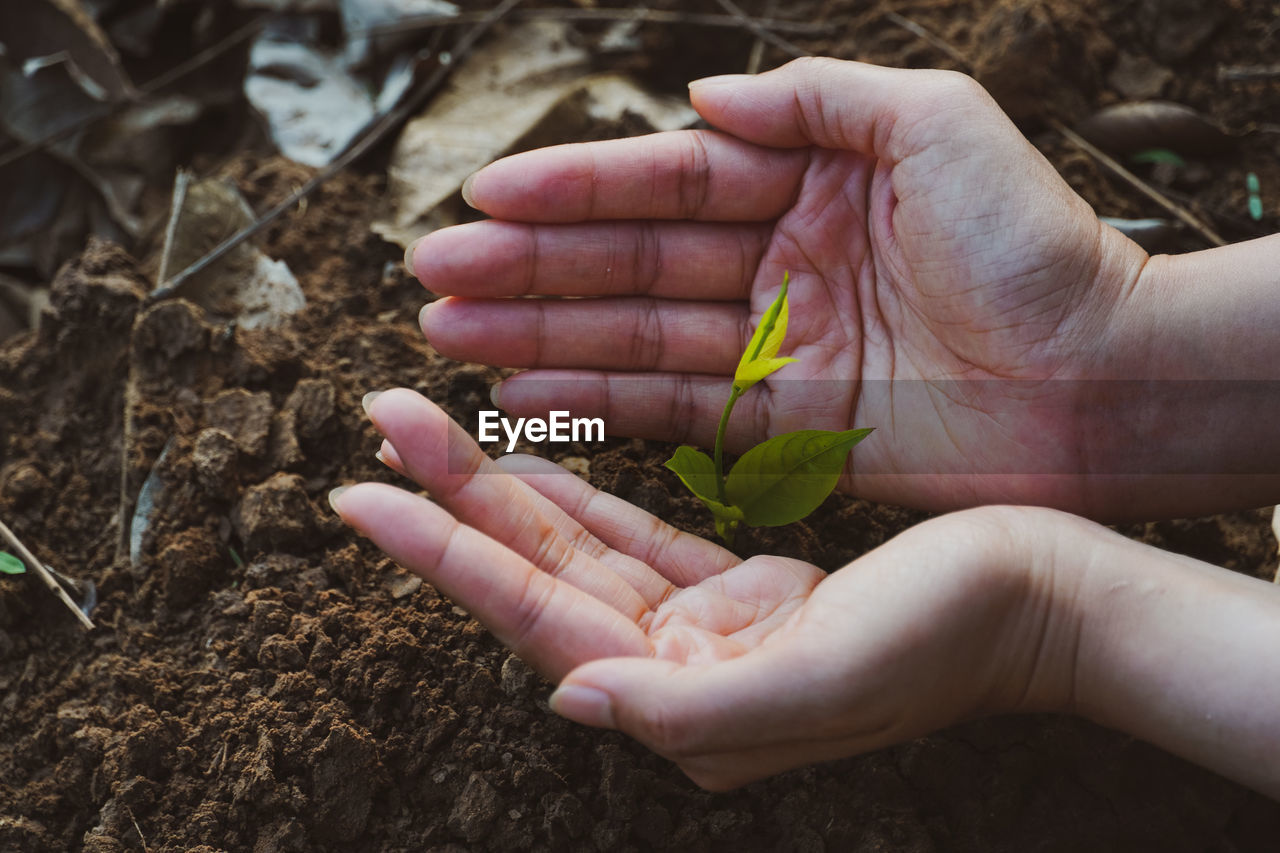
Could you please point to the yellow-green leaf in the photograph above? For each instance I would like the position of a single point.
(11, 565)
(765, 342)
(757, 370)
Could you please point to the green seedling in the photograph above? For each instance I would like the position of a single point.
(1158, 155)
(1254, 186)
(11, 565)
(777, 482)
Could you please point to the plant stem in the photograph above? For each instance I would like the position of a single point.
(720, 431)
(43, 573)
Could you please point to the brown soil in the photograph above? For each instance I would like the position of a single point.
(265, 681)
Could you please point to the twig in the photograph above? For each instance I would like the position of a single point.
(760, 32)
(1172, 207)
(373, 136)
(757, 47)
(180, 184)
(1110, 163)
(44, 574)
(1234, 73)
(152, 86)
(646, 16)
(935, 40)
(138, 829)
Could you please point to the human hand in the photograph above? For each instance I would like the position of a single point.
(942, 273)
(733, 669)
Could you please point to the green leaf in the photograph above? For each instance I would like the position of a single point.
(11, 565)
(1158, 155)
(789, 476)
(696, 470)
(758, 360)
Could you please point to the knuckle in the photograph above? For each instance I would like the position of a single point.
(951, 87)
(531, 606)
(813, 65)
(648, 257)
(682, 413)
(695, 177)
(647, 338)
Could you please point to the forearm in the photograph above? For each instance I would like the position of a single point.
(1180, 393)
(1179, 653)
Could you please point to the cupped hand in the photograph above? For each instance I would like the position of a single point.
(942, 275)
(735, 669)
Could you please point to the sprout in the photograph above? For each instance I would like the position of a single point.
(777, 482)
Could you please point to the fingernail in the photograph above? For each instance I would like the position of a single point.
(333, 498)
(422, 319)
(719, 80)
(408, 257)
(466, 189)
(494, 391)
(367, 400)
(585, 705)
(377, 454)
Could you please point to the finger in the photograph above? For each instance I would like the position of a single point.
(843, 105)
(549, 623)
(439, 455)
(681, 558)
(685, 174)
(611, 334)
(672, 260)
(388, 456)
(653, 588)
(663, 406)
(768, 697)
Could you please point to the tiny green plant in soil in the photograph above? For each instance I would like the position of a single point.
(11, 565)
(781, 480)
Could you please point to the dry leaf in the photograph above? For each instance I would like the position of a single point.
(361, 17)
(245, 285)
(524, 89)
(312, 105)
(40, 33)
(1129, 128)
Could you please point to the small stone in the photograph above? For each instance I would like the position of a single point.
(401, 584)
(516, 677)
(475, 809)
(275, 514)
(245, 416)
(312, 405)
(279, 652)
(579, 465)
(215, 457)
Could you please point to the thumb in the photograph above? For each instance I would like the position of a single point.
(680, 710)
(843, 105)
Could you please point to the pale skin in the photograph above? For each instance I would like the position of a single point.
(926, 241)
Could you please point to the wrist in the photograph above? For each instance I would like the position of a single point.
(1017, 642)
(1169, 653)
(1177, 387)
(1036, 649)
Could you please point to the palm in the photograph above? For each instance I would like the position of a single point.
(778, 663)
(560, 572)
(937, 282)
